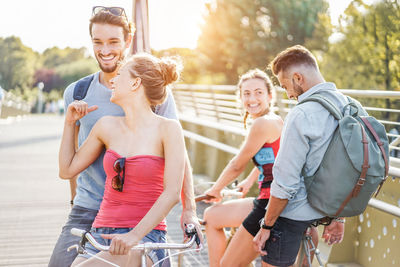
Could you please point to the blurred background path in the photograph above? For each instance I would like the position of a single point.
(34, 202)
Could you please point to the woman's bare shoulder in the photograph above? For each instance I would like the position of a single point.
(268, 121)
(169, 125)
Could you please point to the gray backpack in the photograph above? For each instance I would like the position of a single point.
(354, 165)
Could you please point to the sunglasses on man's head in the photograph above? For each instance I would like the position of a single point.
(117, 182)
(116, 11)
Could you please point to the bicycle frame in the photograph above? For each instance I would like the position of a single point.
(306, 248)
(144, 248)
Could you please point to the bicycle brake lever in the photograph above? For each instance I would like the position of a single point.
(191, 231)
(197, 240)
(79, 249)
(73, 247)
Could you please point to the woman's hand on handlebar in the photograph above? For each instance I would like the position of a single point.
(121, 244)
(244, 186)
(214, 194)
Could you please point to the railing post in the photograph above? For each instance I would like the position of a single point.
(215, 104)
(194, 102)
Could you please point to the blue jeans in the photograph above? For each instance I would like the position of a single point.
(81, 218)
(155, 236)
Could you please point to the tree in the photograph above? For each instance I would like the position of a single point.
(243, 34)
(71, 72)
(49, 78)
(367, 55)
(53, 57)
(193, 71)
(17, 63)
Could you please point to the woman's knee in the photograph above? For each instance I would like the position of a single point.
(210, 215)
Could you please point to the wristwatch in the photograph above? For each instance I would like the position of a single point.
(264, 226)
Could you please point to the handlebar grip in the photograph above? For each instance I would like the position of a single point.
(77, 232)
(203, 197)
(231, 193)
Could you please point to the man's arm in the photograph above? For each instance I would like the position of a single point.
(286, 171)
(187, 197)
(68, 98)
(72, 181)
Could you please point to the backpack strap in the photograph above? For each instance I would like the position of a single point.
(82, 87)
(326, 103)
(380, 144)
(378, 141)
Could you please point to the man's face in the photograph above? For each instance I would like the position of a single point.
(293, 90)
(108, 46)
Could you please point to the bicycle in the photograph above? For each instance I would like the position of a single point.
(307, 246)
(86, 236)
(231, 228)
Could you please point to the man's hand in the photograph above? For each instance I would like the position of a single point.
(187, 217)
(259, 241)
(333, 233)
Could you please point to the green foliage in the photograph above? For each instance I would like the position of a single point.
(21, 69)
(53, 57)
(193, 66)
(243, 34)
(17, 63)
(367, 54)
(73, 71)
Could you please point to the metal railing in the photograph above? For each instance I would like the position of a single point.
(12, 105)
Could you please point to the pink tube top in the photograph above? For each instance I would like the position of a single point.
(144, 175)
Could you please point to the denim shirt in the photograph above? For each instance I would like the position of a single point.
(306, 134)
(90, 183)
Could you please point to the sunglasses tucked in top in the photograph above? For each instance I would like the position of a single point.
(116, 11)
(117, 182)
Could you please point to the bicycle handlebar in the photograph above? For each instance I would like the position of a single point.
(190, 231)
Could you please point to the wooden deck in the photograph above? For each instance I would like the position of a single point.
(33, 201)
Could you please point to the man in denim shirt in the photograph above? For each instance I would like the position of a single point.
(306, 134)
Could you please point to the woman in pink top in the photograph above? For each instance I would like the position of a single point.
(144, 161)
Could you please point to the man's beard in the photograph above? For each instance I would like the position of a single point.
(110, 69)
(297, 89)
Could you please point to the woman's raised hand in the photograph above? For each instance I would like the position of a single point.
(214, 193)
(244, 186)
(78, 109)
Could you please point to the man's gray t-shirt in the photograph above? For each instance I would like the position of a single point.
(90, 183)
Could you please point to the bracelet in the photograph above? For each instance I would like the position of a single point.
(340, 220)
(71, 202)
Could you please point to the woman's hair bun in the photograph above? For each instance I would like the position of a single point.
(170, 69)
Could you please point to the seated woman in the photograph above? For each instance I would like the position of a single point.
(261, 145)
(144, 161)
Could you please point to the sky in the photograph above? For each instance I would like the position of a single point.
(46, 23)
